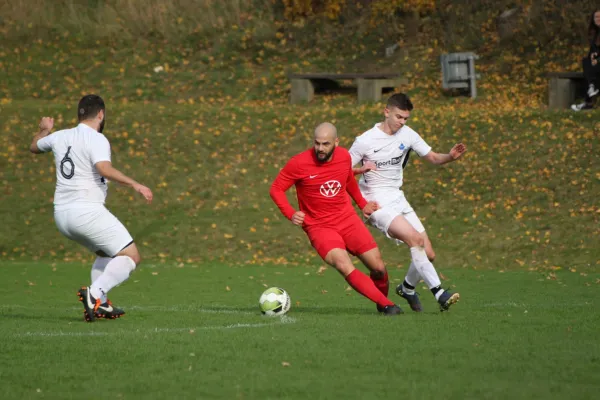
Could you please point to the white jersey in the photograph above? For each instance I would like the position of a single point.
(76, 152)
(389, 153)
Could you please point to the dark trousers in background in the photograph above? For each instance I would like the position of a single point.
(591, 73)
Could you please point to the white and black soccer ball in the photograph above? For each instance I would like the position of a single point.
(274, 301)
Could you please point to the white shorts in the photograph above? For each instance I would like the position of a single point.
(93, 227)
(392, 205)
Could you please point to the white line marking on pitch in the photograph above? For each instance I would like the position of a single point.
(175, 308)
(279, 321)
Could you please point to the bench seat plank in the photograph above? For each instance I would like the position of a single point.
(369, 85)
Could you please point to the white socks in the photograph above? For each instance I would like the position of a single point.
(98, 267)
(97, 270)
(412, 278)
(117, 271)
(423, 267)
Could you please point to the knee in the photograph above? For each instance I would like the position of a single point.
(416, 240)
(344, 267)
(135, 257)
(340, 261)
(378, 267)
(378, 274)
(431, 255)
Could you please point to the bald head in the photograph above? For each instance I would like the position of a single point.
(326, 131)
(325, 141)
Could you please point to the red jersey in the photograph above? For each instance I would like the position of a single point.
(322, 188)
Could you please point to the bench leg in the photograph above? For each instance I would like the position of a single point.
(561, 93)
(303, 91)
(370, 90)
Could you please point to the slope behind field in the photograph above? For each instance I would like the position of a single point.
(524, 196)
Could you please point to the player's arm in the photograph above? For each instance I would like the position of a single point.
(439, 159)
(284, 180)
(357, 154)
(367, 207)
(354, 192)
(365, 167)
(106, 169)
(46, 125)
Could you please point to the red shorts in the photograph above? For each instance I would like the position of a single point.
(350, 234)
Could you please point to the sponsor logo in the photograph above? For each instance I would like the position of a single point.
(330, 188)
(393, 161)
(313, 176)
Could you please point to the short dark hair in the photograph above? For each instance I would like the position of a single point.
(400, 101)
(89, 106)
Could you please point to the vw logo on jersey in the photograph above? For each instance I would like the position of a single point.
(330, 188)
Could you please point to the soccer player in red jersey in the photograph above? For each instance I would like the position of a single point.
(323, 176)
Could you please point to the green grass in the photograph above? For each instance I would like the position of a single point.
(196, 332)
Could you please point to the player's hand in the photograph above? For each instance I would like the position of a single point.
(144, 191)
(298, 218)
(457, 151)
(370, 208)
(594, 58)
(368, 166)
(47, 123)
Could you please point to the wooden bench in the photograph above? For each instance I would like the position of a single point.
(564, 88)
(370, 85)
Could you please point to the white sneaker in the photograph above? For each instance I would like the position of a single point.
(582, 106)
(592, 91)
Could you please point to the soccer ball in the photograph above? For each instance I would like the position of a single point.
(274, 301)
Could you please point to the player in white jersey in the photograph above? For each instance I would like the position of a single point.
(384, 151)
(83, 169)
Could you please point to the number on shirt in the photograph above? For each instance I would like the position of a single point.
(67, 166)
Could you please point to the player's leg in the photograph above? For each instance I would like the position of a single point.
(339, 259)
(332, 249)
(407, 290)
(62, 219)
(116, 272)
(444, 297)
(410, 230)
(107, 309)
(402, 230)
(103, 232)
(99, 265)
(428, 247)
(377, 271)
(382, 219)
(360, 243)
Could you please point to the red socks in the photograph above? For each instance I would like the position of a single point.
(382, 284)
(363, 285)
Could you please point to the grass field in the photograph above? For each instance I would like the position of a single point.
(203, 119)
(196, 332)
